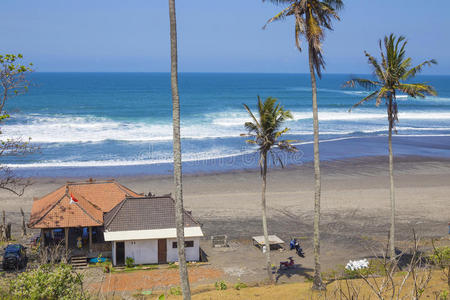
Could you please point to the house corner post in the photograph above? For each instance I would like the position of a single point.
(90, 238)
(66, 237)
(43, 237)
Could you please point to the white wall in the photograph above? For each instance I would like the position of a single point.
(143, 251)
(192, 253)
(146, 251)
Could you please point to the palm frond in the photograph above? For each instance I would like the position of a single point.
(417, 69)
(378, 70)
(335, 4)
(417, 89)
(364, 83)
(252, 115)
(382, 94)
(280, 16)
(365, 99)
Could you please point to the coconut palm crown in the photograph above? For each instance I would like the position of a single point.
(311, 18)
(266, 130)
(392, 75)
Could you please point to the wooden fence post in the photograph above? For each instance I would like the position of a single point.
(4, 238)
(24, 227)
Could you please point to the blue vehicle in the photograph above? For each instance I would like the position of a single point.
(15, 257)
(294, 244)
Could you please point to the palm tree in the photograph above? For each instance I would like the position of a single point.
(265, 133)
(311, 18)
(392, 75)
(179, 210)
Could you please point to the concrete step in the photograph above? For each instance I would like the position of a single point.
(79, 262)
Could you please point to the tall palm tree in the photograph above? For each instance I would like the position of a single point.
(312, 17)
(179, 210)
(392, 75)
(265, 132)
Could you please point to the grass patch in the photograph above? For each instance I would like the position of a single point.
(135, 268)
(173, 266)
(302, 290)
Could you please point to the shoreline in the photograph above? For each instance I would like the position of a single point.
(324, 164)
(436, 146)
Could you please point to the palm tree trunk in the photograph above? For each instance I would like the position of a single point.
(264, 217)
(318, 283)
(179, 212)
(391, 179)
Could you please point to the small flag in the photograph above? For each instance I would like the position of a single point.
(72, 199)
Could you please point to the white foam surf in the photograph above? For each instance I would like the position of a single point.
(70, 129)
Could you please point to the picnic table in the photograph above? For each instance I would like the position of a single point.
(273, 241)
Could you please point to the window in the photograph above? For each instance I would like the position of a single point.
(187, 244)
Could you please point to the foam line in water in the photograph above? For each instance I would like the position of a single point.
(190, 157)
(68, 129)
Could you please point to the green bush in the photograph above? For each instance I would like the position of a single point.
(129, 262)
(240, 285)
(441, 257)
(175, 291)
(173, 265)
(48, 282)
(220, 285)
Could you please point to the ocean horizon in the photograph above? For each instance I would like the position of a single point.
(107, 124)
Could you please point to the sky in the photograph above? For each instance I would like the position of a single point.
(214, 36)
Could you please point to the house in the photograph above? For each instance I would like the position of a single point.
(105, 217)
(75, 210)
(144, 228)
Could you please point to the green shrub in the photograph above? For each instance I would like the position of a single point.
(240, 285)
(173, 266)
(129, 262)
(48, 282)
(175, 291)
(220, 285)
(441, 257)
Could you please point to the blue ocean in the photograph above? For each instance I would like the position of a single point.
(110, 124)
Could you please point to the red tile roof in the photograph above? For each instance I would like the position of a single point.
(94, 199)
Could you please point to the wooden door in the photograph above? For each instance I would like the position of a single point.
(120, 253)
(162, 251)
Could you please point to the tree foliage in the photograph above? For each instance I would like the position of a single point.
(48, 282)
(392, 74)
(266, 130)
(13, 82)
(311, 18)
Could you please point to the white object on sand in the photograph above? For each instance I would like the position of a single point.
(354, 265)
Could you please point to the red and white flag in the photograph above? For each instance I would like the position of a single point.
(72, 199)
